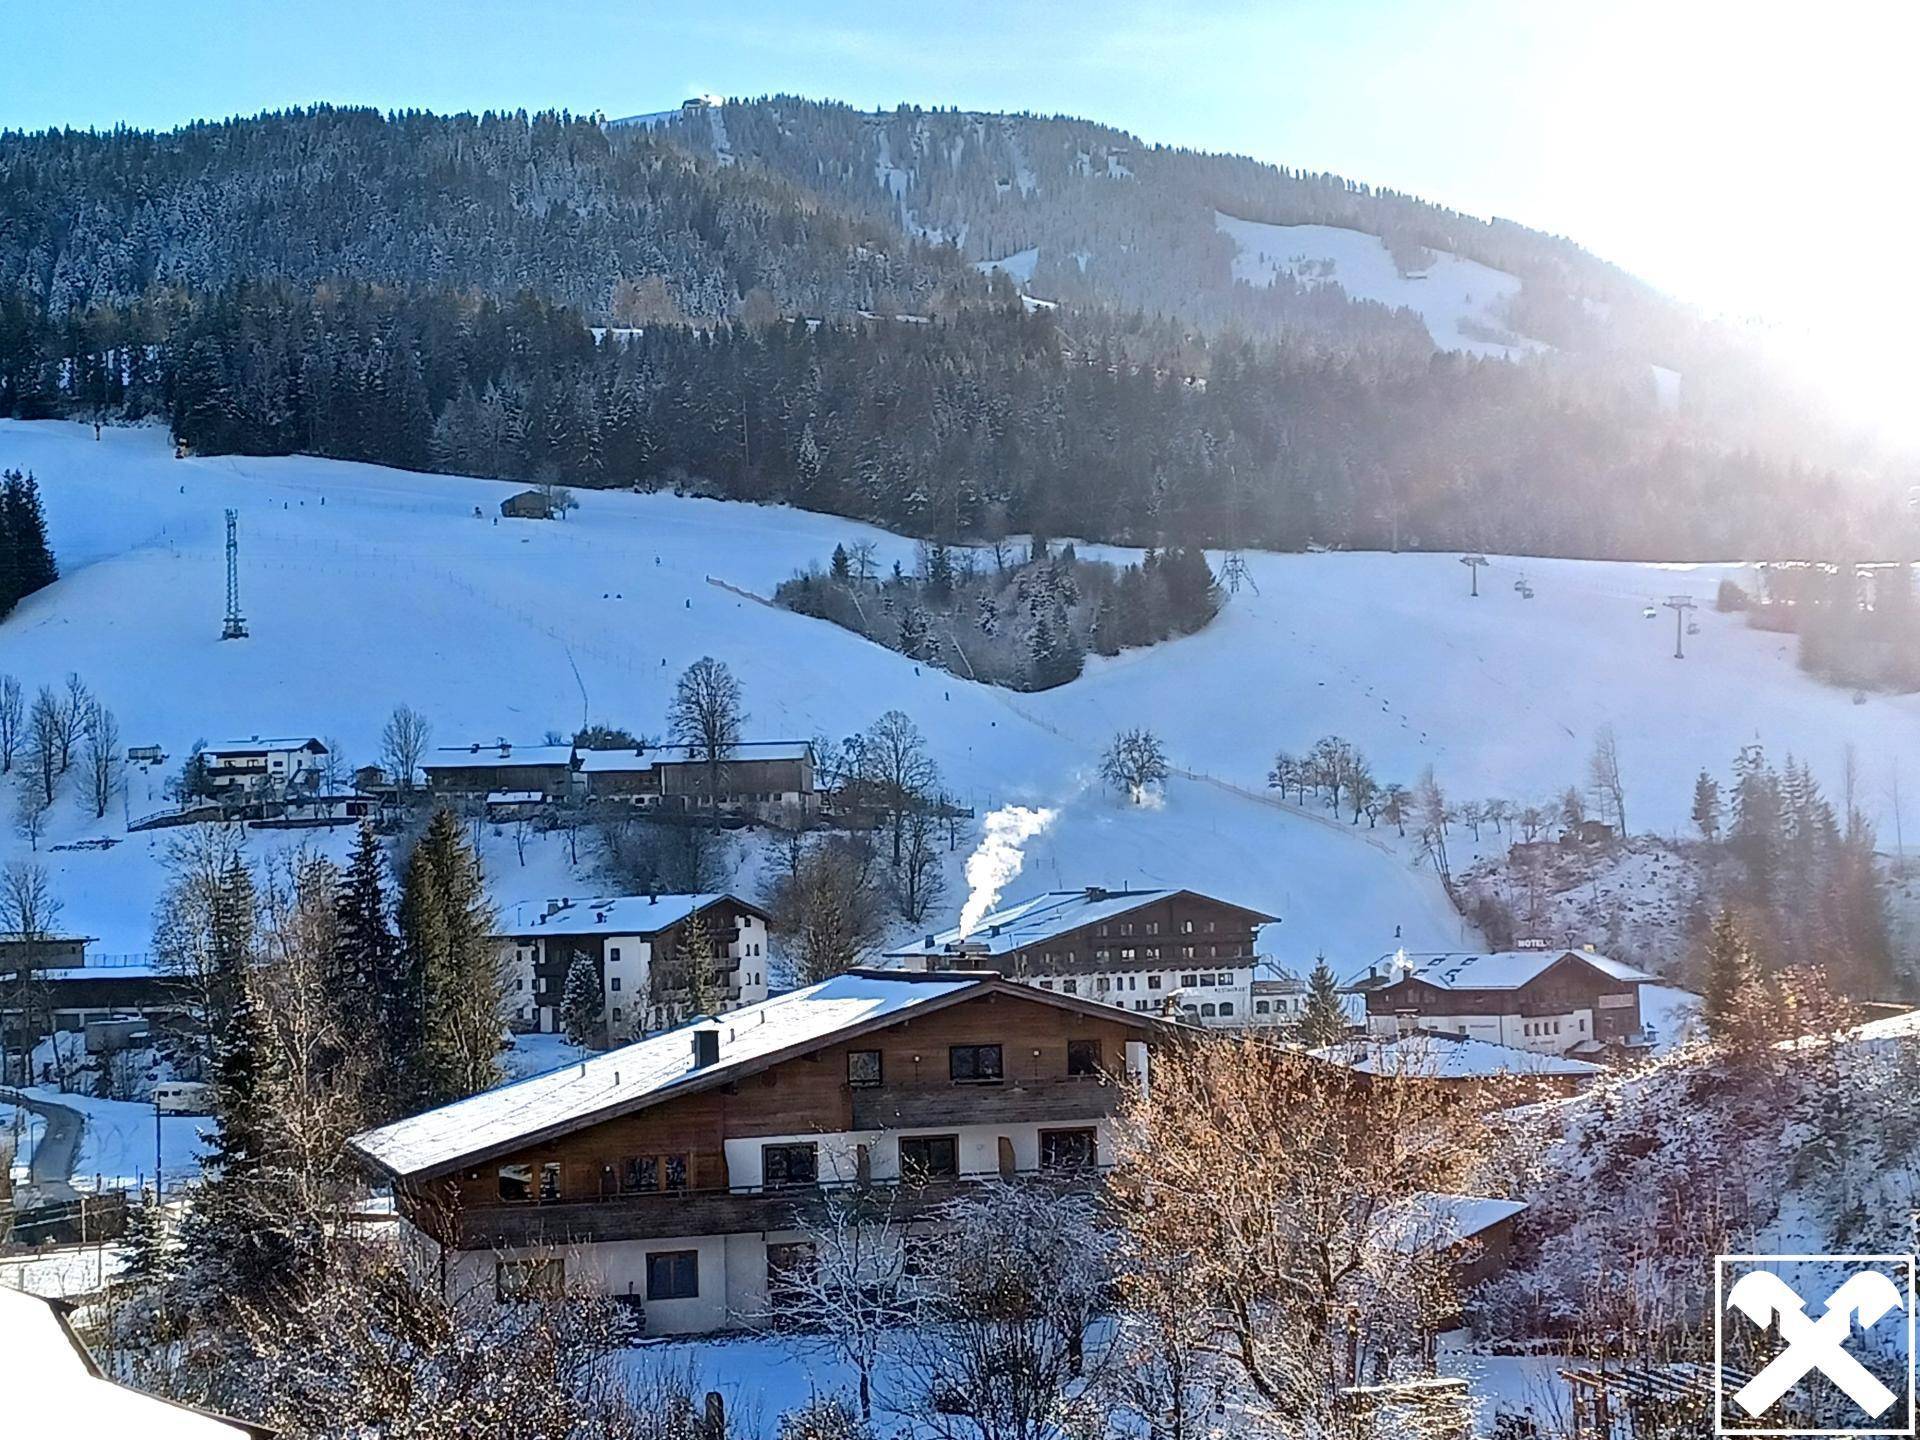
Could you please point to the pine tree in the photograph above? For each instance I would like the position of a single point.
(1733, 982)
(377, 1004)
(842, 567)
(700, 959)
(446, 930)
(150, 1253)
(1706, 806)
(232, 925)
(1323, 1021)
(26, 559)
(581, 1003)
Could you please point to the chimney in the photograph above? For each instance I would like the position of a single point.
(1096, 892)
(706, 1048)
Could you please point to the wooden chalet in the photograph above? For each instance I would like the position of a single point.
(679, 1173)
(1563, 1002)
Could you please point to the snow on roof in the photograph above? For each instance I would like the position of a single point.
(1029, 922)
(461, 757)
(1431, 1056)
(260, 744)
(515, 797)
(1435, 1220)
(63, 1393)
(611, 915)
(600, 762)
(1505, 969)
(647, 1070)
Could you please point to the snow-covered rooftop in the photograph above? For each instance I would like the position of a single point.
(59, 1391)
(1502, 969)
(460, 757)
(1436, 1219)
(1030, 922)
(601, 762)
(650, 1069)
(1449, 1057)
(609, 915)
(260, 744)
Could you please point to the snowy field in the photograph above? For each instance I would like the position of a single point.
(366, 587)
(1461, 301)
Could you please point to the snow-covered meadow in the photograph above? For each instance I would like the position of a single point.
(366, 587)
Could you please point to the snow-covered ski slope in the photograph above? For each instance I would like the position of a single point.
(366, 587)
(1460, 300)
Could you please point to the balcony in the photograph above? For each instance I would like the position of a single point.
(719, 1212)
(1006, 1102)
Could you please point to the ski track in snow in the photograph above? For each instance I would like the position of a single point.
(392, 591)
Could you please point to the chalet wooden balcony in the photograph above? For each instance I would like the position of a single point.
(1006, 1102)
(721, 1212)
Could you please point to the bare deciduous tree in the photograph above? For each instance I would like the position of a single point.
(71, 712)
(1603, 778)
(918, 880)
(1285, 1262)
(826, 904)
(29, 910)
(1135, 762)
(403, 744)
(105, 765)
(896, 773)
(13, 719)
(705, 716)
(40, 766)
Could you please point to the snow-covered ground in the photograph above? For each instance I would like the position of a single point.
(117, 1140)
(366, 587)
(1461, 301)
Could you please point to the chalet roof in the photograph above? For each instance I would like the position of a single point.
(604, 762)
(612, 915)
(498, 756)
(1429, 1056)
(261, 744)
(68, 1394)
(662, 1066)
(1030, 922)
(1505, 969)
(1436, 1220)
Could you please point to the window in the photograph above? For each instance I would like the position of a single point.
(529, 1279)
(974, 1064)
(1070, 987)
(1260, 1007)
(1153, 982)
(1187, 982)
(614, 983)
(1153, 952)
(863, 1069)
(613, 953)
(788, 1266)
(673, 1275)
(516, 1182)
(1126, 929)
(645, 1174)
(929, 1157)
(1066, 1149)
(1153, 927)
(1126, 952)
(1046, 984)
(1083, 1057)
(549, 1181)
(618, 1013)
(1226, 1009)
(1186, 927)
(1100, 985)
(789, 1165)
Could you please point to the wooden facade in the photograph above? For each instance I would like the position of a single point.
(1061, 1067)
(1570, 985)
(1183, 928)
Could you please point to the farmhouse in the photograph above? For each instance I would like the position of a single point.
(639, 948)
(1563, 1002)
(680, 1173)
(474, 771)
(1173, 952)
(265, 765)
(770, 780)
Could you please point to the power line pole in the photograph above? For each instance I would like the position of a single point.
(1679, 605)
(1473, 564)
(236, 626)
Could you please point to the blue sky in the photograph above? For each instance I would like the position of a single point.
(1705, 144)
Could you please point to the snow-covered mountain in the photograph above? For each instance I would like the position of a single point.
(366, 587)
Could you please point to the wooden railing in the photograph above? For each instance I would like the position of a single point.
(1007, 1102)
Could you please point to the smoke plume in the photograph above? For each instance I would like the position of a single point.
(998, 858)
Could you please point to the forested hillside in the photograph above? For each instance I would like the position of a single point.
(418, 290)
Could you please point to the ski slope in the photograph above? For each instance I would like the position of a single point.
(366, 587)
(1461, 301)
